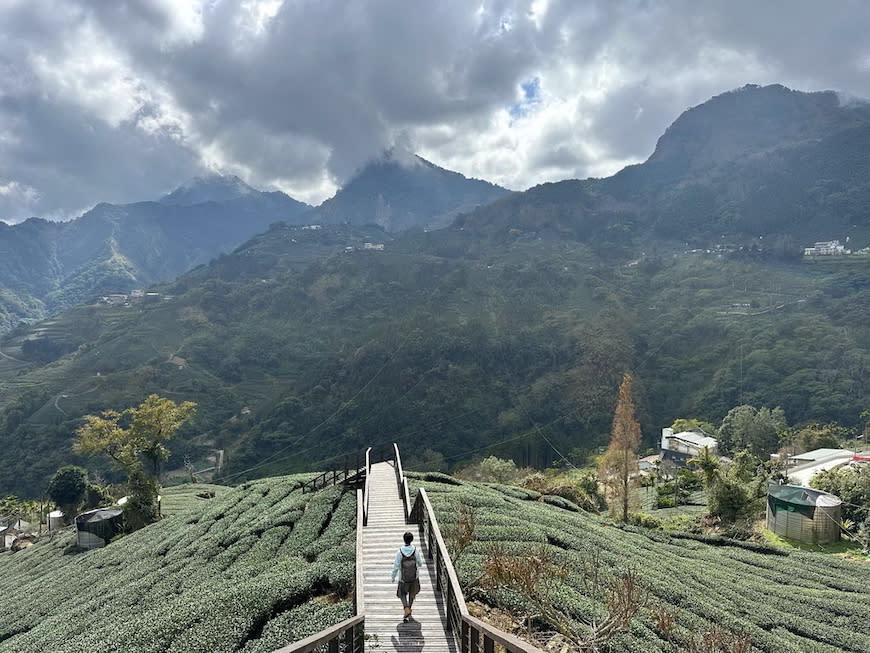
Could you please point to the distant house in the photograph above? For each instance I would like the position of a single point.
(180, 362)
(375, 246)
(684, 445)
(826, 248)
(802, 467)
(648, 463)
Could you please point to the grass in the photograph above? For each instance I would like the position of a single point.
(846, 548)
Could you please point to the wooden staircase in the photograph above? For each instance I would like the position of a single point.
(441, 622)
(382, 537)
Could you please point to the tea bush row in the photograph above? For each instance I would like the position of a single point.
(235, 573)
(795, 601)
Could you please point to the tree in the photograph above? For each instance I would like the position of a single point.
(852, 485)
(728, 499)
(131, 438)
(757, 429)
(682, 424)
(820, 436)
(618, 467)
(154, 422)
(708, 463)
(67, 489)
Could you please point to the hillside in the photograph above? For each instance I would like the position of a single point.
(786, 602)
(400, 191)
(506, 333)
(250, 570)
(759, 161)
(444, 344)
(46, 267)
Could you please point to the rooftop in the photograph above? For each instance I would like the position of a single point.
(696, 438)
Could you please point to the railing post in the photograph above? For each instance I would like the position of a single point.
(475, 641)
(449, 607)
(463, 643)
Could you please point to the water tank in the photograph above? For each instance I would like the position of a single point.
(804, 514)
(55, 520)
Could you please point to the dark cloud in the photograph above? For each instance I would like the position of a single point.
(121, 100)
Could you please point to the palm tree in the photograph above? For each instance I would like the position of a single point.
(708, 463)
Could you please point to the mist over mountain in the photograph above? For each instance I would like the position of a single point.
(211, 188)
(400, 191)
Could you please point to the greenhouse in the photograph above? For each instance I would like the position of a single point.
(803, 514)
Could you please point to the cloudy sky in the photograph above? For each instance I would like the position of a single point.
(121, 100)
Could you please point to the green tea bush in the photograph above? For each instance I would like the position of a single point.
(243, 571)
(785, 601)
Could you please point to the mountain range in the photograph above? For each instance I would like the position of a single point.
(48, 266)
(506, 332)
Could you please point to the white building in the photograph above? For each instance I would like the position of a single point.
(686, 444)
(826, 248)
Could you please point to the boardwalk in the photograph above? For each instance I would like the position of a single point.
(381, 538)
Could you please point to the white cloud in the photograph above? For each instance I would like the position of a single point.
(121, 100)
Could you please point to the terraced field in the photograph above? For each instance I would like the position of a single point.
(784, 601)
(251, 570)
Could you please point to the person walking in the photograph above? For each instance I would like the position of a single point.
(407, 567)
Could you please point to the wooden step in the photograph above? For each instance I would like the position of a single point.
(381, 538)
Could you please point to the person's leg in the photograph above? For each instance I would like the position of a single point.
(406, 599)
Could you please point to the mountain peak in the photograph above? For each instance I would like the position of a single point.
(750, 120)
(208, 188)
(402, 157)
(399, 190)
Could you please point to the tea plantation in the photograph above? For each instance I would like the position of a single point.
(784, 601)
(250, 570)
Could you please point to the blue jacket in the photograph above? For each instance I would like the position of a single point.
(406, 550)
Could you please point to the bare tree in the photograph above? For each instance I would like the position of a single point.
(538, 576)
(618, 469)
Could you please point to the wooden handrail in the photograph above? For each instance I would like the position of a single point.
(472, 630)
(511, 643)
(368, 484)
(442, 550)
(472, 634)
(359, 593)
(404, 494)
(346, 628)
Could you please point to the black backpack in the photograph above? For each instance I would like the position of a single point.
(409, 567)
